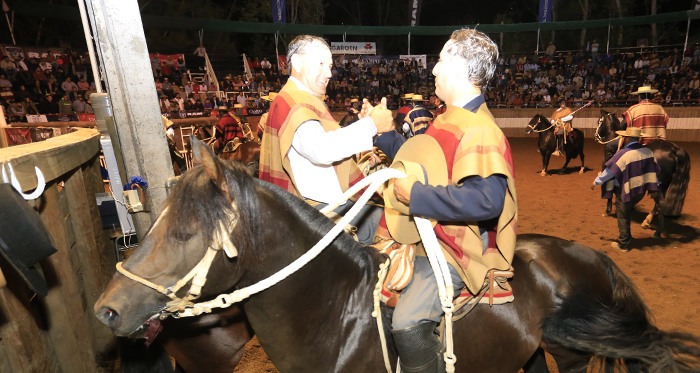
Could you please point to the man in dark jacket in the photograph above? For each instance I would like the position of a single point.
(48, 105)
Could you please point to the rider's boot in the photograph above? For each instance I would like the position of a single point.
(420, 350)
(560, 146)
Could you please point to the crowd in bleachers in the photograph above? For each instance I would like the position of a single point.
(542, 80)
(50, 84)
(63, 83)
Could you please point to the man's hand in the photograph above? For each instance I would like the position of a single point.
(366, 109)
(402, 189)
(382, 117)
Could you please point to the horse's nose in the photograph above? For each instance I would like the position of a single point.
(109, 317)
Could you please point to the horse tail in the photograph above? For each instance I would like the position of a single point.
(619, 330)
(675, 195)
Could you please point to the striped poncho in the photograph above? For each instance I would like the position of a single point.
(635, 170)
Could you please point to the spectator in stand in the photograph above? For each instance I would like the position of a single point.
(168, 88)
(200, 51)
(89, 92)
(79, 105)
(22, 93)
(164, 104)
(45, 66)
(4, 83)
(65, 106)
(80, 68)
(207, 104)
(551, 49)
(88, 107)
(155, 64)
(48, 105)
(240, 99)
(40, 80)
(82, 86)
(266, 66)
(518, 102)
(73, 95)
(256, 65)
(10, 67)
(170, 64)
(29, 106)
(180, 65)
(180, 101)
(67, 85)
(16, 111)
(198, 105)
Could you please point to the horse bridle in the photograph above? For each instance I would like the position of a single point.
(198, 274)
(535, 126)
(597, 136)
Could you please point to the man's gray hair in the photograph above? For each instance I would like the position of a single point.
(478, 53)
(300, 45)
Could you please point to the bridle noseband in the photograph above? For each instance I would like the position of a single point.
(198, 274)
(533, 128)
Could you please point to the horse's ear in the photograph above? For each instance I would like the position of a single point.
(603, 112)
(204, 156)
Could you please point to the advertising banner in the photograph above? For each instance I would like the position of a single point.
(279, 11)
(545, 14)
(353, 48)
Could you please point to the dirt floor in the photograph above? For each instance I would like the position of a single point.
(667, 272)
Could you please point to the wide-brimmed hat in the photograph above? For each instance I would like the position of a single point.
(417, 98)
(644, 89)
(222, 108)
(24, 240)
(238, 106)
(632, 132)
(422, 157)
(270, 97)
(353, 100)
(408, 96)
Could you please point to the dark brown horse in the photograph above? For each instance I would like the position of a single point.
(672, 159)
(548, 143)
(571, 301)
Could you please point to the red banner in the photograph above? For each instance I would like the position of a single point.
(282, 61)
(86, 117)
(18, 136)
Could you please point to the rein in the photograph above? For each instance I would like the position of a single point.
(535, 126)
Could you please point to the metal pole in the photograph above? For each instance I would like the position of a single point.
(687, 31)
(409, 43)
(10, 26)
(537, 50)
(607, 48)
(91, 49)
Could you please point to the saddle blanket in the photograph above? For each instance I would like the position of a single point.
(496, 289)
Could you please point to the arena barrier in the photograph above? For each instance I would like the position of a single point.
(59, 332)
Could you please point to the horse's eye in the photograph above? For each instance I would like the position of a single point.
(182, 236)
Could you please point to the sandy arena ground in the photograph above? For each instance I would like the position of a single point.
(667, 272)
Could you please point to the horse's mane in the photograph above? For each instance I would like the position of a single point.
(197, 201)
(319, 225)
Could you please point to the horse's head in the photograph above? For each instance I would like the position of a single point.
(214, 205)
(535, 124)
(607, 125)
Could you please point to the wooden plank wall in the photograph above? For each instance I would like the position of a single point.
(59, 333)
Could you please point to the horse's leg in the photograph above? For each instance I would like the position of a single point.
(583, 157)
(537, 363)
(545, 162)
(646, 224)
(563, 168)
(608, 208)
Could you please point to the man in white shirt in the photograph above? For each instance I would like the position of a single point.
(304, 149)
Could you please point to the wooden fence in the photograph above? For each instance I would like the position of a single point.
(59, 333)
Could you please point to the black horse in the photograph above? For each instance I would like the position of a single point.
(548, 143)
(352, 117)
(571, 300)
(672, 159)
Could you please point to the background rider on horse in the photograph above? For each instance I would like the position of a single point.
(562, 119)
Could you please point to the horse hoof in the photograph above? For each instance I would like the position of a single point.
(543, 173)
(646, 225)
(581, 171)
